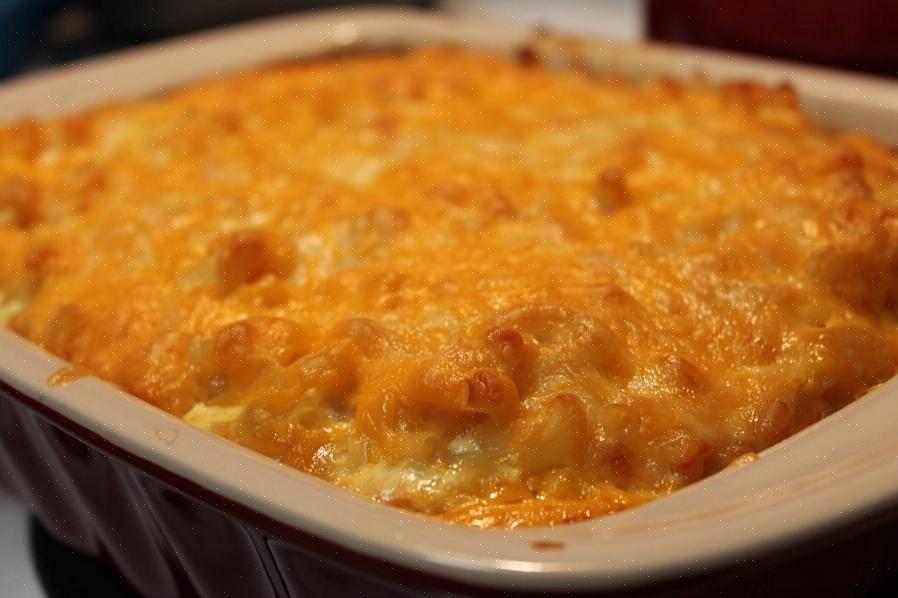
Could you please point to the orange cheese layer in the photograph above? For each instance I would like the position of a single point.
(487, 291)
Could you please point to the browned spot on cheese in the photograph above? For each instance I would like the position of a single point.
(248, 256)
(23, 199)
(611, 192)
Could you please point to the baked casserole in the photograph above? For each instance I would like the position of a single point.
(460, 283)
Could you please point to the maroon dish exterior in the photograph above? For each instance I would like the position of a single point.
(170, 537)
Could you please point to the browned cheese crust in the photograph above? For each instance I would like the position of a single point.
(482, 290)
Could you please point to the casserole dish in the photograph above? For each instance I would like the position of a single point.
(115, 477)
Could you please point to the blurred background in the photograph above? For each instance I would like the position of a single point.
(852, 34)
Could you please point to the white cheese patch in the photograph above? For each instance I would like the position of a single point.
(422, 485)
(115, 136)
(206, 416)
(358, 171)
(9, 308)
(464, 445)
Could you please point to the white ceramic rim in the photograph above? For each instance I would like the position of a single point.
(831, 475)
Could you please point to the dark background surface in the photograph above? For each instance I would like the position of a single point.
(848, 34)
(39, 33)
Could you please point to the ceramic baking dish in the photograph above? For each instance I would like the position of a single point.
(183, 512)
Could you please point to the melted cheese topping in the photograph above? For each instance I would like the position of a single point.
(478, 289)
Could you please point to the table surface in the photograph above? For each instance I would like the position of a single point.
(18, 578)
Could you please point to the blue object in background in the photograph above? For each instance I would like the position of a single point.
(20, 20)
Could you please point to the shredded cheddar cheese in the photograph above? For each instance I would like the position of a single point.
(487, 291)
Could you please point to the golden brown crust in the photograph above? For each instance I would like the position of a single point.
(457, 284)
